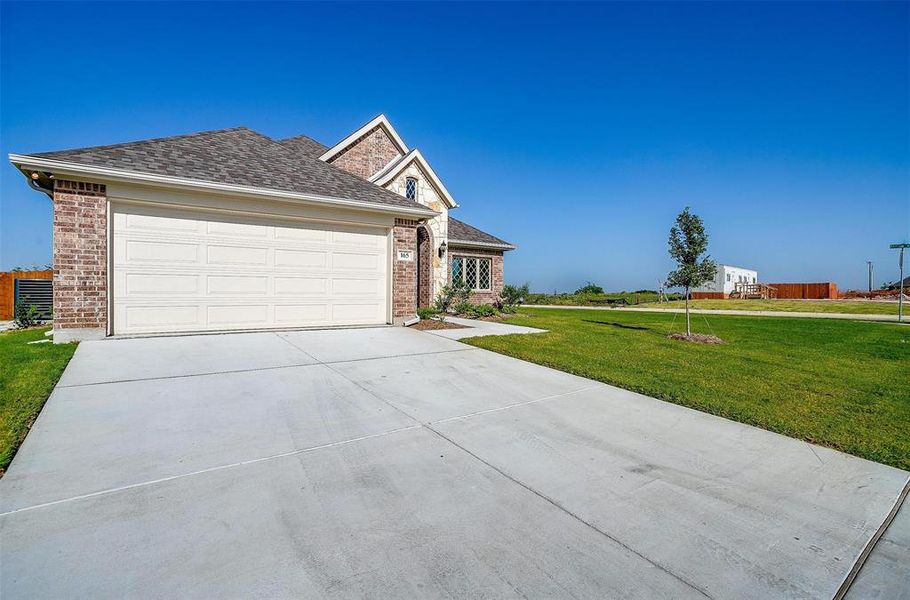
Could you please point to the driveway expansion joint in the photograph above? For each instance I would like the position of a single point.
(864, 554)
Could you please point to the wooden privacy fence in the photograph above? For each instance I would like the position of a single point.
(8, 289)
(806, 291)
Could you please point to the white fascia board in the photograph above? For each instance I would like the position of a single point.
(489, 245)
(380, 121)
(414, 155)
(36, 163)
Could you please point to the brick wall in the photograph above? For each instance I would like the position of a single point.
(368, 155)
(404, 272)
(496, 264)
(80, 256)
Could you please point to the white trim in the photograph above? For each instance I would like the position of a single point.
(384, 177)
(68, 168)
(467, 244)
(380, 121)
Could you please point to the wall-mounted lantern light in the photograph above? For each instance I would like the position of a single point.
(442, 249)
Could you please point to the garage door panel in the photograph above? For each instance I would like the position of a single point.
(244, 230)
(156, 252)
(246, 315)
(306, 314)
(300, 234)
(219, 285)
(237, 255)
(159, 284)
(355, 312)
(301, 286)
(177, 270)
(147, 319)
(305, 259)
(343, 286)
(355, 261)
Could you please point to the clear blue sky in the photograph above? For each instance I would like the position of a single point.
(577, 131)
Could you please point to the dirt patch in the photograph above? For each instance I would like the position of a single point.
(428, 324)
(698, 338)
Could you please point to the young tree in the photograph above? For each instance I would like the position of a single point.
(688, 242)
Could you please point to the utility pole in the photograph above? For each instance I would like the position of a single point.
(871, 270)
(900, 297)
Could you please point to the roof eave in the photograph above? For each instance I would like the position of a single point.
(25, 162)
(484, 245)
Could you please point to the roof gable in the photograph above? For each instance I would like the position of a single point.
(395, 168)
(378, 122)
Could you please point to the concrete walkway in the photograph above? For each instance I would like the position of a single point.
(477, 328)
(742, 313)
(391, 463)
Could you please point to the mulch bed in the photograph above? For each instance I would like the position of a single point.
(698, 338)
(427, 324)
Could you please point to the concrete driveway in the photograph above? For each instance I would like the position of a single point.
(388, 463)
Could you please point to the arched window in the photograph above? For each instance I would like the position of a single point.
(410, 188)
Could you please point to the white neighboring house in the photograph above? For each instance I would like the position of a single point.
(726, 278)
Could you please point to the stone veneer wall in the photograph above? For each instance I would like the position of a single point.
(496, 265)
(438, 225)
(404, 272)
(80, 260)
(368, 155)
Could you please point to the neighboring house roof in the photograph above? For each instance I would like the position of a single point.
(237, 157)
(462, 234)
(380, 121)
(395, 168)
(304, 145)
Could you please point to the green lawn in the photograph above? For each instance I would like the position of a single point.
(853, 307)
(28, 374)
(843, 384)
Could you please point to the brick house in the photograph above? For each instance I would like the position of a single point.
(232, 230)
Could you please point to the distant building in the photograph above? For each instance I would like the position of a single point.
(724, 282)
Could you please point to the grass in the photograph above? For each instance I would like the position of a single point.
(29, 373)
(634, 298)
(853, 307)
(842, 384)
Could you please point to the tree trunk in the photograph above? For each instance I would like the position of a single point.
(688, 323)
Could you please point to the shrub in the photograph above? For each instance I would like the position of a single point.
(590, 288)
(452, 294)
(26, 315)
(426, 312)
(512, 296)
(463, 308)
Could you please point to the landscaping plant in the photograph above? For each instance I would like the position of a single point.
(26, 315)
(512, 296)
(590, 288)
(688, 247)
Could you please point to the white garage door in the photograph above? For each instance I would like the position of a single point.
(177, 270)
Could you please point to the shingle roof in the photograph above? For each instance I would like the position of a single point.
(237, 156)
(460, 231)
(305, 145)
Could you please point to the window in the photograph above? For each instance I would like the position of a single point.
(476, 272)
(410, 188)
(728, 277)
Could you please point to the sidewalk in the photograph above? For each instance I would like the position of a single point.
(742, 313)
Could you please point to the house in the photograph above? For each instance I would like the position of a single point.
(725, 281)
(233, 230)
